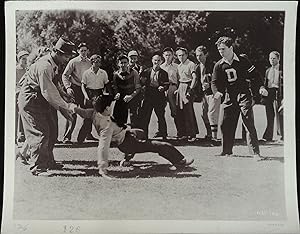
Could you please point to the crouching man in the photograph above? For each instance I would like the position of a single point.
(129, 141)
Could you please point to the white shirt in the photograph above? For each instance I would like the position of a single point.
(273, 77)
(94, 80)
(171, 69)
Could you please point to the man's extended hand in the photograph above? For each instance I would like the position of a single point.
(117, 96)
(263, 91)
(70, 91)
(160, 88)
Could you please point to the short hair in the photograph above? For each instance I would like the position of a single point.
(225, 40)
(95, 57)
(122, 56)
(102, 101)
(276, 53)
(183, 49)
(169, 49)
(156, 53)
(202, 48)
(82, 44)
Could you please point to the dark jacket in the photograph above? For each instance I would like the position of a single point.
(163, 80)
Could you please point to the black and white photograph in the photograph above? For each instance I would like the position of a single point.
(150, 117)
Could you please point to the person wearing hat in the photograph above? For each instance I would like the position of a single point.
(72, 77)
(171, 68)
(184, 96)
(94, 80)
(20, 71)
(126, 86)
(156, 82)
(38, 95)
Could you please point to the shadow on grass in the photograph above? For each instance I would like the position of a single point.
(138, 169)
(279, 159)
(198, 142)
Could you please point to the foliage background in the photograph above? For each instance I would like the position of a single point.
(110, 33)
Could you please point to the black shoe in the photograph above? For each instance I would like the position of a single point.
(91, 138)
(215, 142)
(55, 166)
(66, 141)
(37, 171)
(224, 154)
(158, 134)
(183, 163)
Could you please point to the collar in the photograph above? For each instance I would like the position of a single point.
(235, 57)
(186, 61)
(167, 65)
(82, 59)
(98, 71)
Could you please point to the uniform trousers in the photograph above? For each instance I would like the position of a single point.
(172, 103)
(40, 127)
(154, 100)
(70, 125)
(271, 107)
(210, 113)
(233, 106)
(134, 144)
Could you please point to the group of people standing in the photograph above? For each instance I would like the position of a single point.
(48, 86)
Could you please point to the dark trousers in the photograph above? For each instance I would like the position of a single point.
(132, 144)
(232, 111)
(172, 104)
(186, 117)
(270, 113)
(19, 130)
(40, 127)
(87, 124)
(156, 101)
(70, 125)
(121, 108)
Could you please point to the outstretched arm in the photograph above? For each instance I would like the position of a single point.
(84, 113)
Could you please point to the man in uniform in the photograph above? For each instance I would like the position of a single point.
(37, 97)
(229, 81)
(72, 77)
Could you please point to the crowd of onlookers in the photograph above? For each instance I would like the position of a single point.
(48, 80)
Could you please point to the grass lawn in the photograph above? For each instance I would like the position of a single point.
(214, 188)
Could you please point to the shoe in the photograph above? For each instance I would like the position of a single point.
(183, 163)
(58, 142)
(125, 163)
(181, 138)
(265, 140)
(21, 158)
(208, 138)
(192, 139)
(128, 157)
(258, 157)
(105, 175)
(158, 134)
(91, 138)
(215, 142)
(36, 171)
(67, 141)
(224, 154)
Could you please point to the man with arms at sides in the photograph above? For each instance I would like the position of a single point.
(72, 77)
(129, 141)
(184, 97)
(210, 105)
(126, 86)
(94, 80)
(171, 68)
(20, 71)
(156, 82)
(38, 95)
(229, 81)
(274, 84)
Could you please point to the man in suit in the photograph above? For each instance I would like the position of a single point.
(156, 82)
(273, 82)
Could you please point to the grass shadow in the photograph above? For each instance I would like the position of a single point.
(138, 169)
(280, 159)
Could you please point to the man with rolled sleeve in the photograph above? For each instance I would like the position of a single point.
(38, 96)
(230, 81)
(72, 77)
